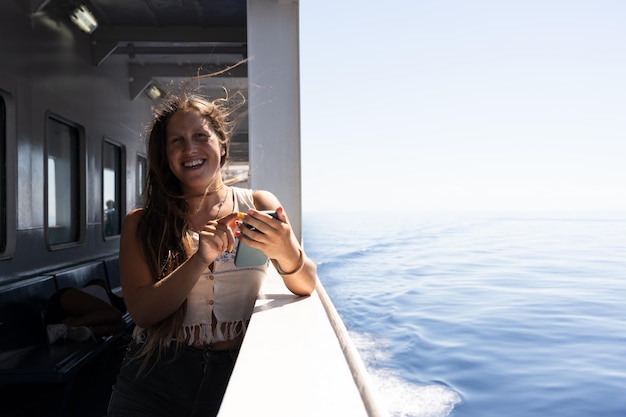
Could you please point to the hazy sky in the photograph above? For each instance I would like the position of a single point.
(482, 105)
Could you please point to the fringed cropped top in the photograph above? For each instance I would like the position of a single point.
(220, 305)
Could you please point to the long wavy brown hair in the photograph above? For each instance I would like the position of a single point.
(163, 230)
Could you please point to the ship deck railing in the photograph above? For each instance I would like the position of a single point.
(298, 360)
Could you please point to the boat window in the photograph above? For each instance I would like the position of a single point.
(65, 189)
(112, 163)
(141, 177)
(3, 175)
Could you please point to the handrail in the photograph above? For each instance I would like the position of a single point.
(355, 363)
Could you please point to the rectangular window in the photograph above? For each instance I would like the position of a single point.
(3, 175)
(141, 177)
(65, 184)
(112, 188)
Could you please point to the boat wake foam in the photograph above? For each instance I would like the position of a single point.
(399, 397)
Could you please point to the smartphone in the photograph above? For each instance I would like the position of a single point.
(247, 256)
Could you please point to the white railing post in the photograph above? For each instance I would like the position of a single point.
(274, 102)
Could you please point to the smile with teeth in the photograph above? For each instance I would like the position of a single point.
(193, 164)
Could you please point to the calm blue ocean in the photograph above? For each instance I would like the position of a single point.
(512, 315)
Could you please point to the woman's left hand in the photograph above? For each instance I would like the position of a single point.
(273, 236)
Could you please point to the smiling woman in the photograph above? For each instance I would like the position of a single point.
(177, 264)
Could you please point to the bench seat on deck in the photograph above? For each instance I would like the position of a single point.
(25, 355)
(28, 362)
(21, 319)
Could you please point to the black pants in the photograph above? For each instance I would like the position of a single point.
(191, 383)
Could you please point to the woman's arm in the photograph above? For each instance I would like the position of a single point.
(148, 300)
(280, 244)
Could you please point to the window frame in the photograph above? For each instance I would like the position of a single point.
(120, 186)
(81, 216)
(139, 186)
(8, 177)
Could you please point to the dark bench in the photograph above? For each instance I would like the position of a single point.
(81, 275)
(71, 369)
(21, 322)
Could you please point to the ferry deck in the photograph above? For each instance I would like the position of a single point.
(75, 93)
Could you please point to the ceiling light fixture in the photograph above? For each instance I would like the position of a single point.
(154, 92)
(84, 19)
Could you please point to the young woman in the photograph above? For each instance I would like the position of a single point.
(190, 302)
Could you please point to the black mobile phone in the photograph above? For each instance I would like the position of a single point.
(247, 256)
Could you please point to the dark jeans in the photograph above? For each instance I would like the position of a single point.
(190, 384)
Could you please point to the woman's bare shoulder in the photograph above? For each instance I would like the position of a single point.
(132, 218)
(265, 200)
(135, 214)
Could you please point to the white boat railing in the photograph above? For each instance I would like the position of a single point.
(298, 360)
(357, 367)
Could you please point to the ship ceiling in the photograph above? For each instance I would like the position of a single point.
(167, 41)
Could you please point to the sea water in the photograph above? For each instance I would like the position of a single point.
(481, 315)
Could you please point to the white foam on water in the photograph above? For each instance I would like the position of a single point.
(405, 399)
(399, 397)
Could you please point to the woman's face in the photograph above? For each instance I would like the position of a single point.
(193, 151)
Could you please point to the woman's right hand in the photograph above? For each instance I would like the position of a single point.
(215, 237)
(149, 300)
